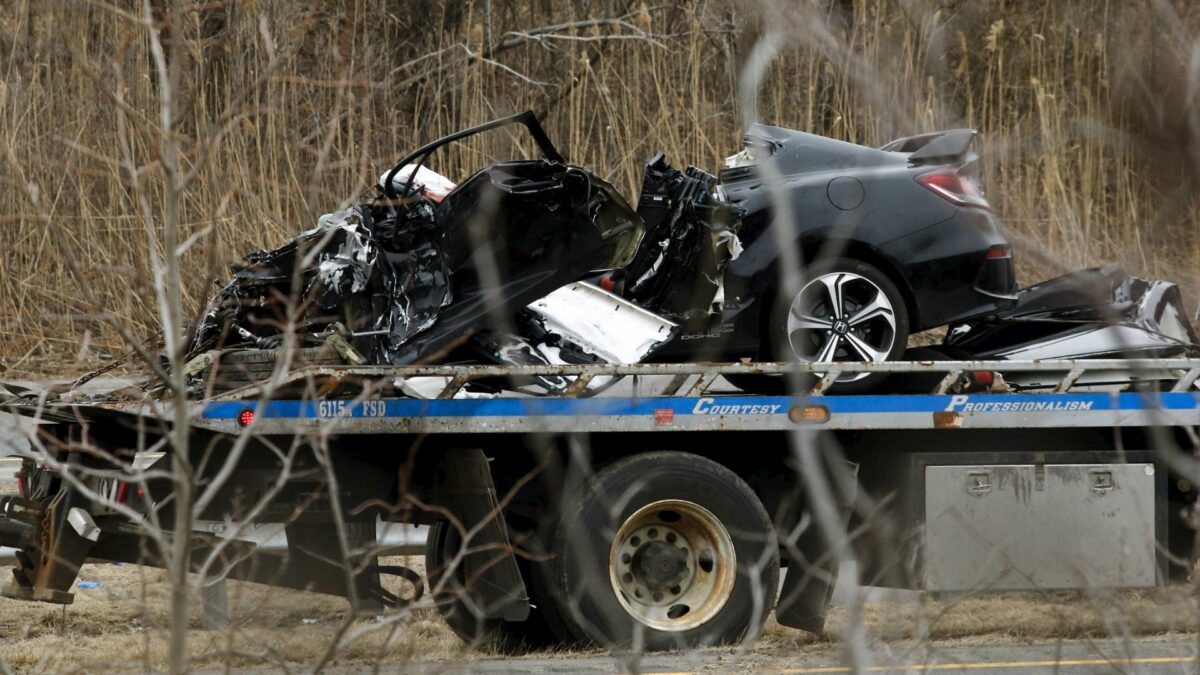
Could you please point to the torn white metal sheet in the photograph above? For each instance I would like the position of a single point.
(422, 387)
(431, 387)
(604, 324)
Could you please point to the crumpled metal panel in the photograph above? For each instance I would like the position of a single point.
(343, 267)
(350, 264)
(415, 277)
(601, 322)
(408, 277)
(429, 271)
(690, 237)
(578, 324)
(1093, 313)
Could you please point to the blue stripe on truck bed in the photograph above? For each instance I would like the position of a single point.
(703, 405)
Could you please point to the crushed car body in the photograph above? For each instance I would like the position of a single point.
(1088, 314)
(485, 269)
(541, 262)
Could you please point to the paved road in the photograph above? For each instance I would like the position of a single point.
(1069, 658)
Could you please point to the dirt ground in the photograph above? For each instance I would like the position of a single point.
(121, 625)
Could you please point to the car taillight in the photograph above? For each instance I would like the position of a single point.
(954, 187)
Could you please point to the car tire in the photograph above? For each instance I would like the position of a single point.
(883, 335)
(665, 550)
(506, 637)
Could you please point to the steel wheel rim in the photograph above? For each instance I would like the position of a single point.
(672, 565)
(841, 316)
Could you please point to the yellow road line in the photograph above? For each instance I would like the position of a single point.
(985, 665)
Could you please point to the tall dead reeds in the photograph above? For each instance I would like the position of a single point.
(288, 110)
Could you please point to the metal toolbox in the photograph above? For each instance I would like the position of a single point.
(1041, 526)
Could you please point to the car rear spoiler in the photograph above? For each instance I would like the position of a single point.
(942, 147)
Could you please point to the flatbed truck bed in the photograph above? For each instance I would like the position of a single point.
(518, 470)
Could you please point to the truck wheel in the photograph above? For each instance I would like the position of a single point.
(665, 550)
(464, 617)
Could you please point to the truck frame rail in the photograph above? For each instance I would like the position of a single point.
(691, 399)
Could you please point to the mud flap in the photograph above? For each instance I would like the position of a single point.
(48, 565)
(465, 487)
(316, 561)
(812, 562)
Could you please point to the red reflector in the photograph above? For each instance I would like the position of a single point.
(122, 492)
(21, 485)
(999, 252)
(983, 378)
(141, 492)
(246, 417)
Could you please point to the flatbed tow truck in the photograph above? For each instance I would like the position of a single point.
(656, 513)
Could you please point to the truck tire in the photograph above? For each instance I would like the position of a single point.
(665, 550)
(466, 620)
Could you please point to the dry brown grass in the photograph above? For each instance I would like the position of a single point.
(122, 626)
(1088, 138)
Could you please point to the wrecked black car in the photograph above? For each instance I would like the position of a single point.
(539, 261)
(426, 271)
(403, 265)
